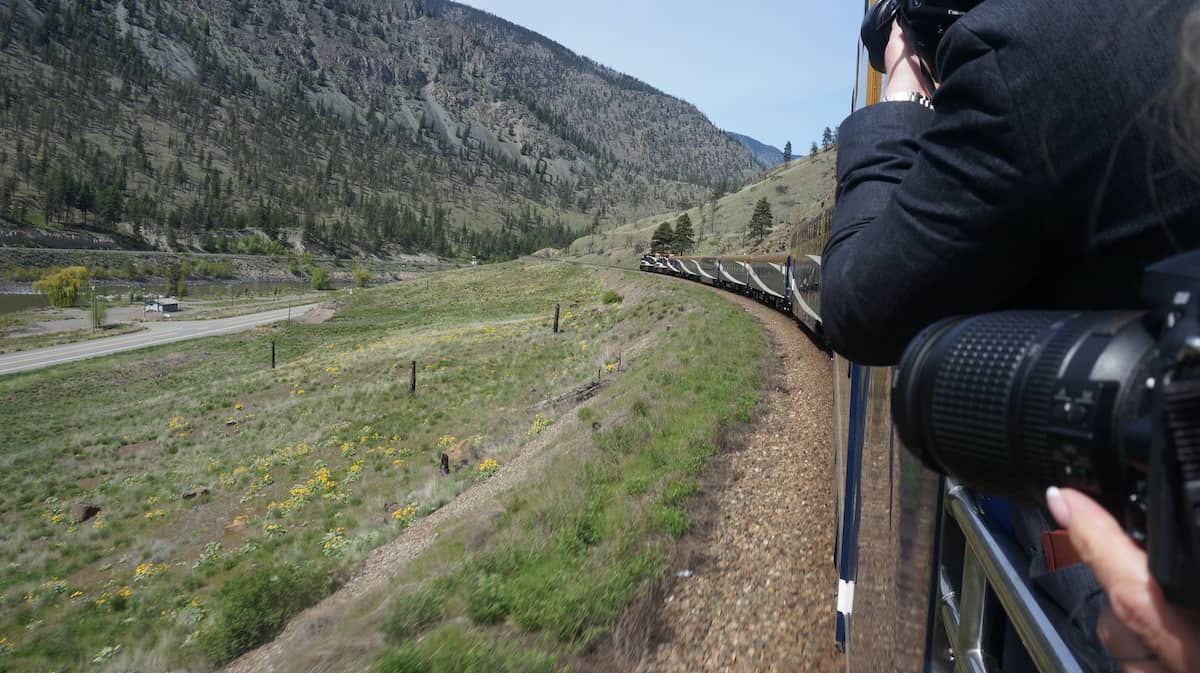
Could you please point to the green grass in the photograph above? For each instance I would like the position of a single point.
(574, 549)
(300, 461)
(32, 341)
(135, 432)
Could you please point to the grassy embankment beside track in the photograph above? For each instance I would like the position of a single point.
(233, 495)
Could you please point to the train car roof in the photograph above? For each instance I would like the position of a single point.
(766, 259)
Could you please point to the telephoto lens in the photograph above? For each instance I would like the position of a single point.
(1015, 401)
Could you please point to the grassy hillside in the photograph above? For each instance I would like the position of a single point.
(798, 195)
(232, 495)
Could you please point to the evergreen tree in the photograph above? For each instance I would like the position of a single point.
(663, 240)
(685, 238)
(760, 221)
(812, 152)
(827, 138)
(787, 153)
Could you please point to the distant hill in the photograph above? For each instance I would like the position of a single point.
(354, 127)
(800, 195)
(767, 156)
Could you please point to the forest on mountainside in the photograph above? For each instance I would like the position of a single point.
(357, 128)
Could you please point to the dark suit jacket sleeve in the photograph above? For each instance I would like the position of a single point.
(933, 209)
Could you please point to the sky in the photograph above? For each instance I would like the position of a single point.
(774, 70)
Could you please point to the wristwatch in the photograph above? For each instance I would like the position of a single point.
(908, 97)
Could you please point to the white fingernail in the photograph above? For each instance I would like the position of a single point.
(1058, 506)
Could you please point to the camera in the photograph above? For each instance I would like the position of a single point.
(923, 23)
(1107, 402)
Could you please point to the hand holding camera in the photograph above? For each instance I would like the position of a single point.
(1140, 628)
(902, 37)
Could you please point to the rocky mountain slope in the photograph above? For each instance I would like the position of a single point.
(767, 156)
(351, 126)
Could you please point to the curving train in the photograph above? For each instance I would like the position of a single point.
(784, 282)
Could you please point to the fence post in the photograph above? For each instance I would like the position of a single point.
(556, 308)
(272, 354)
(412, 378)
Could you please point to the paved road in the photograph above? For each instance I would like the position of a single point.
(156, 333)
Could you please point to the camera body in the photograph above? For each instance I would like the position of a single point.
(1107, 402)
(923, 22)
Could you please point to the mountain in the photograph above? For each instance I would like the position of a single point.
(767, 156)
(355, 127)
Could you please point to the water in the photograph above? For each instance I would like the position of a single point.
(11, 303)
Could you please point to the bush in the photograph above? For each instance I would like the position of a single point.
(320, 279)
(63, 287)
(99, 313)
(611, 297)
(252, 608)
(361, 276)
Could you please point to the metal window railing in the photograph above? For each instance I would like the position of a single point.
(982, 587)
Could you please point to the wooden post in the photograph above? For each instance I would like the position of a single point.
(272, 354)
(556, 308)
(412, 379)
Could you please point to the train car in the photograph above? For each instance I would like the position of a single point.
(700, 269)
(804, 292)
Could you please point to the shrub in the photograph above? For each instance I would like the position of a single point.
(361, 276)
(320, 279)
(63, 287)
(252, 608)
(99, 313)
(611, 297)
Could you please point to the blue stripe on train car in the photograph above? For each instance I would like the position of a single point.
(860, 384)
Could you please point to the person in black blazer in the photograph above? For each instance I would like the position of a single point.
(1039, 174)
(1045, 170)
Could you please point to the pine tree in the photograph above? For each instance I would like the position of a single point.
(827, 138)
(685, 238)
(760, 221)
(812, 152)
(663, 240)
(787, 153)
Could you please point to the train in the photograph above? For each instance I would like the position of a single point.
(925, 582)
(787, 283)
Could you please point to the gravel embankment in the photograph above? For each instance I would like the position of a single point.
(762, 593)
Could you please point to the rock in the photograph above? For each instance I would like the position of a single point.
(462, 455)
(82, 511)
(188, 495)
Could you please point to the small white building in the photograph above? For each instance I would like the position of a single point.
(161, 305)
